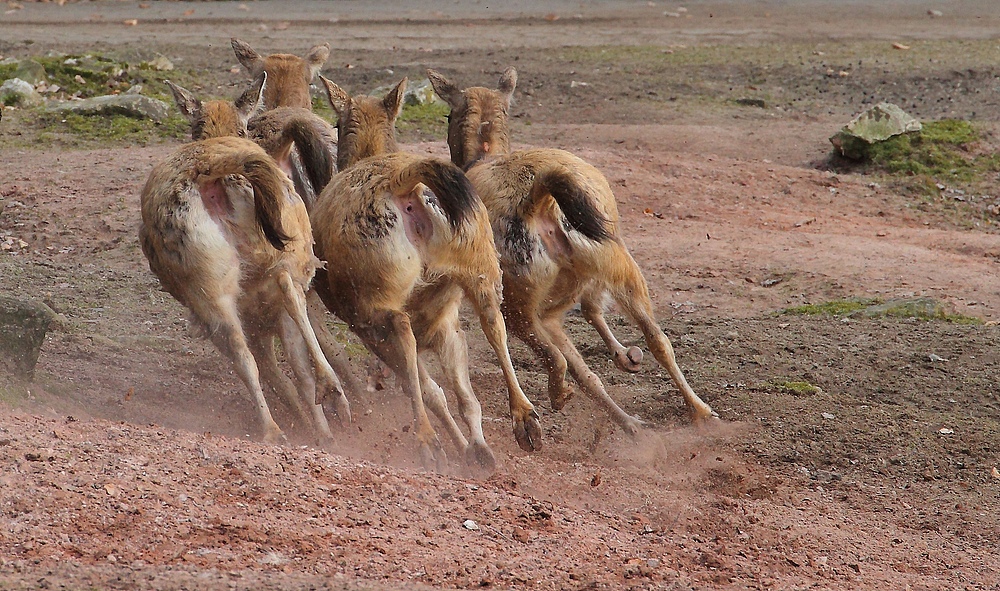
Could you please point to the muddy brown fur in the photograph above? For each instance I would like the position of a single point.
(557, 230)
(228, 237)
(302, 143)
(406, 239)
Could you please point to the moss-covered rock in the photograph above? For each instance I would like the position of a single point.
(877, 124)
(23, 324)
(17, 92)
(131, 105)
(31, 72)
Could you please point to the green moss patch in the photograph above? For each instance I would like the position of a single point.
(87, 76)
(423, 122)
(112, 128)
(832, 308)
(920, 308)
(943, 150)
(795, 388)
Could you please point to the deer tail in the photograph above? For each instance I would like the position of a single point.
(455, 193)
(573, 198)
(317, 158)
(245, 158)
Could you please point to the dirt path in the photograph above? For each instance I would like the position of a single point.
(132, 463)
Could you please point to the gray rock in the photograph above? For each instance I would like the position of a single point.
(133, 105)
(877, 124)
(23, 325)
(418, 92)
(18, 92)
(926, 308)
(159, 63)
(31, 72)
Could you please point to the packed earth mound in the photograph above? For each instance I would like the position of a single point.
(841, 322)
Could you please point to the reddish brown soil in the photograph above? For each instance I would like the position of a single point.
(132, 461)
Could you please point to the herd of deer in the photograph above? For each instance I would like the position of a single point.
(269, 214)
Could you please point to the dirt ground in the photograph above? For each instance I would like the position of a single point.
(132, 461)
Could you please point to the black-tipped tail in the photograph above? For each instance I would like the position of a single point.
(317, 158)
(267, 182)
(575, 203)
(455, 193)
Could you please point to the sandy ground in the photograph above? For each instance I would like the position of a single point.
(133, 462)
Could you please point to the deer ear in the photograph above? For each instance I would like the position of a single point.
(250, 59)
(190, 107)
(316, 57)
(448, 92)
(393, 101)
(508, 80)
(338, 98)
(252, 99)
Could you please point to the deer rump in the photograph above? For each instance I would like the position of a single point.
(396, 204)
(213, 210)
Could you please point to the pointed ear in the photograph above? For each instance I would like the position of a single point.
(448, 92)
(190, 107)
(252, 99)
(393, 101)
(339, 99)
(316, 57)
(508, 80)
(250, 59)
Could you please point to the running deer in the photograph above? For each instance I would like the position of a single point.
(303, 146)
(406, 238)
(228, 237)
(557, 231)
(289, 114)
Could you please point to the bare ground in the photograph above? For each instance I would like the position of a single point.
(132, 462)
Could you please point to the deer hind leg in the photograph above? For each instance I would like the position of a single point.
(334, 352)
(524, 418)
(327, 381)
(592, 306)
(305, 396)
(522, 316)
(436, 326)
(388, 335)
(633, 297)
(588, 380)
(448, 341)
(262, 347)
(227, 334)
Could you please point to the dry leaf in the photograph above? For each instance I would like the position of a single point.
(898, 45)
(551, 17)
(132, 22)
(596, 480)
(996, 473)
(128, 395)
